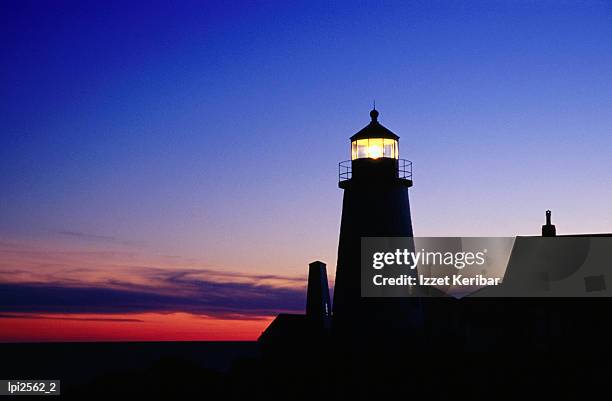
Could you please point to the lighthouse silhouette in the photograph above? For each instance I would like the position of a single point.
(376, 204)
(375, 182)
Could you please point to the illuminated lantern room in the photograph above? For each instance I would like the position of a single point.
(374, 157)
(374, 141)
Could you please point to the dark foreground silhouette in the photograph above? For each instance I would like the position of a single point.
(312, 370)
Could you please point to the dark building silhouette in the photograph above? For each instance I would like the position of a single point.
(376, 204)
(287, 329)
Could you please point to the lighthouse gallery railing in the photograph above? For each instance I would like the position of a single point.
(404, 170)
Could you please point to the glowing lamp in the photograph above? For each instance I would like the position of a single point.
(374, 148)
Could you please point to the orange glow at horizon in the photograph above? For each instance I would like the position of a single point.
(133, 327)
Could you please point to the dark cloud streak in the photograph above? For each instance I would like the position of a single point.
(198, 296)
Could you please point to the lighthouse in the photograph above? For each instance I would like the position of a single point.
(375, 182)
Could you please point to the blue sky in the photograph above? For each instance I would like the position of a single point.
(212, 131)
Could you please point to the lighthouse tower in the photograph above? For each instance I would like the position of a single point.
(375, 183)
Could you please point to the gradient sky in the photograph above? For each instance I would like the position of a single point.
(168, 170)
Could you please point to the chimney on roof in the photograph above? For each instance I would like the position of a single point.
(318, 307)
(548, 229)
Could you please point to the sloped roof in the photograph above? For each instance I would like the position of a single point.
(374, 129)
